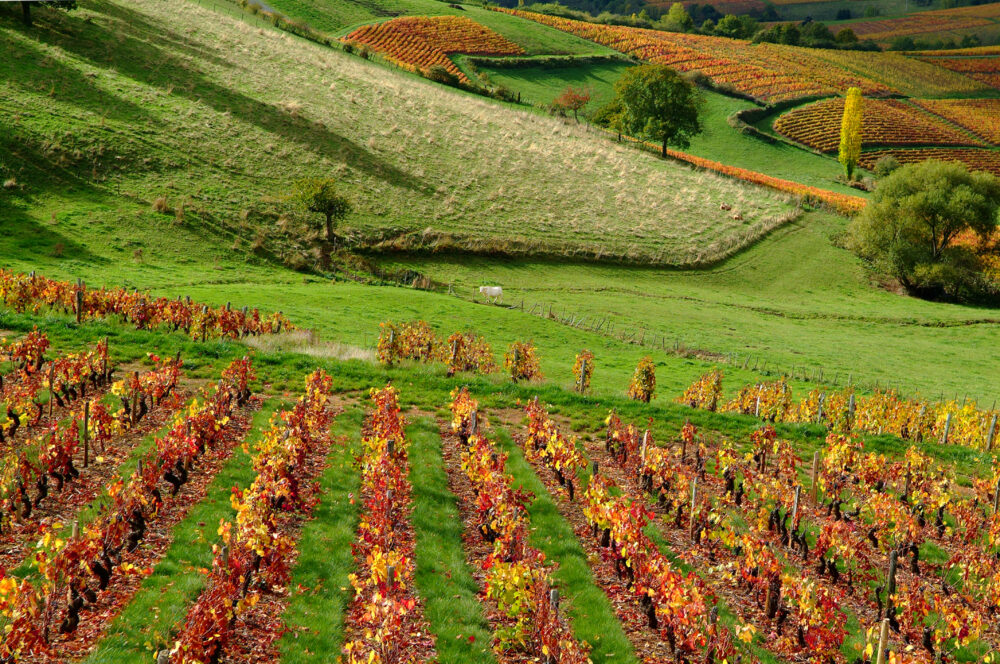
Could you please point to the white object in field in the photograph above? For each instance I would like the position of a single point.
(496, 292)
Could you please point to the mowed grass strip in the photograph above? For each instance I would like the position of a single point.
(147, 623)
(443, 577)
(320, 587)
(592, 615)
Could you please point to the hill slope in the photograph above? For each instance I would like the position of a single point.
(223, 118)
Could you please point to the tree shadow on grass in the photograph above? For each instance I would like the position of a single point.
(143, 49)
(26, 67)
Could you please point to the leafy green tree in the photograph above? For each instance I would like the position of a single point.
(911, 227)
(736, 27)
(677, 19)
(657, 104)
(58, 4)
(320, 195)
(850, 132)
(846, 36)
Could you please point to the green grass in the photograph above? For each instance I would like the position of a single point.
(320, 587)
(592, 615)
(444, 580)
(542, 83)
(718, 141)
(224, 148)
(147, 622)
(794, 300)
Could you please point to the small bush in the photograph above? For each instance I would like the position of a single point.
(10, 183)
(886, 165)
(160, 205)
(348, 47)
(439, 74)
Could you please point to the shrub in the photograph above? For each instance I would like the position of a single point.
(521, 362)
(886, 165)
(643, 384)
(439, 74)
(583, 369)
(160, 205)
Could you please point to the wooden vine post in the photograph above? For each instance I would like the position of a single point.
(947, 429)
(991, 433)
(694, 501)
(883, 642)
(996, 497)
(52, 387)
(85, 434)
(815, 478)
(795, 514)
(583, 374)
(135, 399)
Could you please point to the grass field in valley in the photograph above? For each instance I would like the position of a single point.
(794, 299)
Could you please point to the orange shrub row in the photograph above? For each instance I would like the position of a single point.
(420, 42)
(767, 72)
(980, 116)
(844, 203)
(885, 122)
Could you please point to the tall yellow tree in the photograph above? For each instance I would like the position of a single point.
(850, 132)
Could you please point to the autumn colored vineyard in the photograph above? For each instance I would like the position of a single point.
(421, 42)
(937, 22)
(252, 558)
(980, 116)
(385, 621)
(883, 412)
(843, 203)
(975, 159)
(983, 69)
(516, 574)
(885, 122)
(31, 292)
(766, 72)
(80, 581)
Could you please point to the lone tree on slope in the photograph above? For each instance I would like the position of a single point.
(657, 104)
(850, 132)
(572, 100)
(320, 195)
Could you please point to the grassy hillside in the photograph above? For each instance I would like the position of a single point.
(115, 97)
(794, 300)
(718, 141)
(338, 17)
